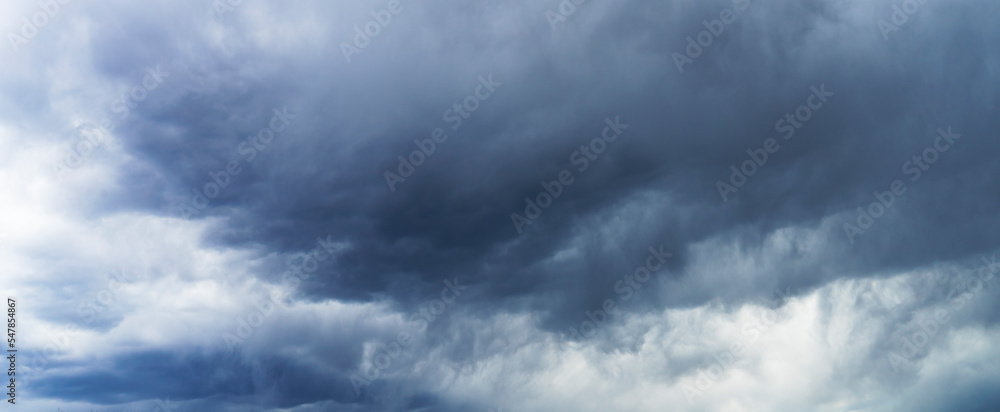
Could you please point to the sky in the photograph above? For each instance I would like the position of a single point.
(516, 206)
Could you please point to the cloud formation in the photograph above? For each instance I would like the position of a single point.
(228, 205)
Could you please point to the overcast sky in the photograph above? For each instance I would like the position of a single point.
(513, 205)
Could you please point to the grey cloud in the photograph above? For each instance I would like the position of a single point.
(323, 176)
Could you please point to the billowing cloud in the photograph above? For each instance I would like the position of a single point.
(522, 206)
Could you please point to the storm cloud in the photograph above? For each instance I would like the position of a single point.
(395, 205)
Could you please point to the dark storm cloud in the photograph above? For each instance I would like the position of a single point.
(324, 176)
(152, 375)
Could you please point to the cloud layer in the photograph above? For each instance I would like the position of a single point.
(396, 205)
